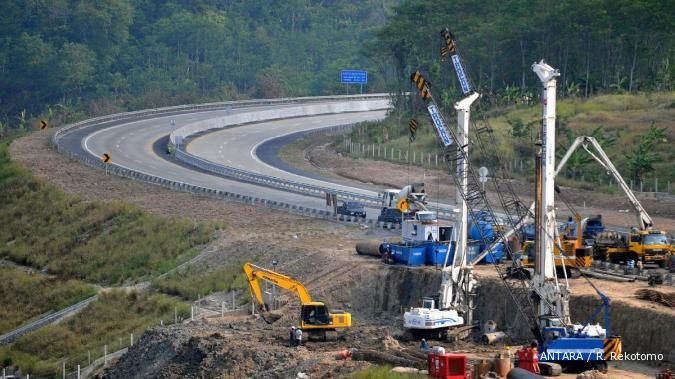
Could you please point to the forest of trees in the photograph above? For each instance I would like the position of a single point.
(71, 58)
(598, 45)
(101, 56)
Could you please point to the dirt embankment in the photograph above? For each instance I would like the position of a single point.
(240, 346)
(317, 155)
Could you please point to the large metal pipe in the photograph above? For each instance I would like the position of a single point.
(494, 337)
(371, 248)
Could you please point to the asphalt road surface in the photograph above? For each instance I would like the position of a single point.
(237, 147)
(131, 146)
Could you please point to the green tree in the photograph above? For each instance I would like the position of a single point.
(641, 159)
(75, 67)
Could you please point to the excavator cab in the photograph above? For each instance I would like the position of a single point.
(315, 313)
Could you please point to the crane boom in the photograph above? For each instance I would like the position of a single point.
(254, 274)
(644, 220)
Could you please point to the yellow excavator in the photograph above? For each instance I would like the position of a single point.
(315, 319)
(570, 251)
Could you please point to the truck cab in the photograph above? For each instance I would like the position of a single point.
(423, 226)
(649, 246)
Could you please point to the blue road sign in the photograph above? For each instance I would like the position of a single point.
(354, 76)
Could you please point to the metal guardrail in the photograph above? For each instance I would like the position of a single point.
(285, 184)
(44, 321)
(271, 181)
(240, 175)
(198, 190)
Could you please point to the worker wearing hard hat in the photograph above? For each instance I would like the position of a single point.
(291, 337)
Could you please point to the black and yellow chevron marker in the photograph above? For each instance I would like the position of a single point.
(612, 345)
(106, 158)
(449, 47)
(412, 126)
(421, 84)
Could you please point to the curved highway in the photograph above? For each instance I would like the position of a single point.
(237, 147)
(130, 144)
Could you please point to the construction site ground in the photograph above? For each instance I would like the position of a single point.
(320, 253)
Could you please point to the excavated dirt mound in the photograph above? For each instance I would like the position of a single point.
(233, 350)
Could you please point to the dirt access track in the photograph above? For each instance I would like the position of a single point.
(320, 254)
(316, 155)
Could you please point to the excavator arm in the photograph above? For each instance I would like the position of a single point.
(256, 274)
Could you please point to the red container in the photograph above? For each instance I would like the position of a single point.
(447, 366)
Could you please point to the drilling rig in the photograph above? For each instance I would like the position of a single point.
(543, 300)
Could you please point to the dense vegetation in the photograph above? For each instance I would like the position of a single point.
(635, 130)
(73, 238)
(109, 320)
(61, 57)
(598, 45)
(25, 295)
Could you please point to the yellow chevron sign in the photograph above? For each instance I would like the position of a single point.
(422, 84)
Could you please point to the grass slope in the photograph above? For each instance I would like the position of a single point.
(71, 239)
(194, 283)
(107, 321)
(622, 117)
(106, 243)
(25, 295)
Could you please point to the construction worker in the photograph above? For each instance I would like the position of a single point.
(291, 337)
(424, 346)
(298, 336)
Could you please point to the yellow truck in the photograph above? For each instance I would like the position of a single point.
(644, 242)
(315, 318)
(648, 246)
